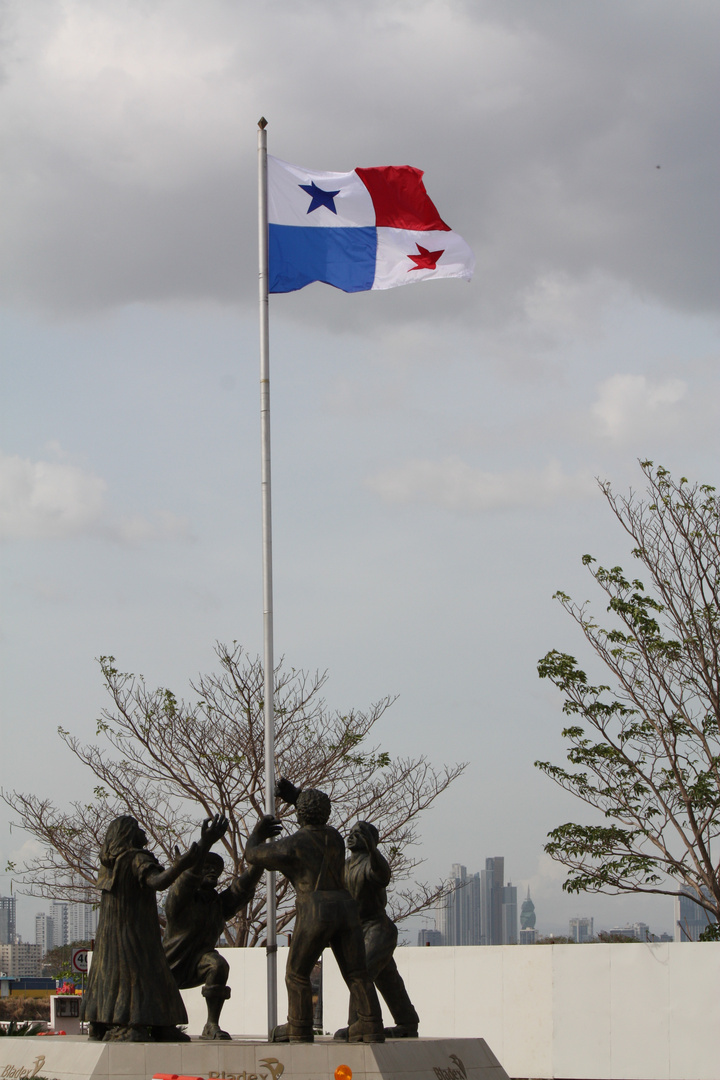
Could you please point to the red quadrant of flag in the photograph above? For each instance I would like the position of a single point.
(400, 198)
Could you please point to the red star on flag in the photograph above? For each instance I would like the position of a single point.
(425, 260)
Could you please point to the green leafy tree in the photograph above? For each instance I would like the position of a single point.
(57, 962)
(644, 747)
(606, 938)
(171, 763)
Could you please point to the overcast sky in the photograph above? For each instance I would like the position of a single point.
(434, 448)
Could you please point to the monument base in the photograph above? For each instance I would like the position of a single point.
(76, 1058)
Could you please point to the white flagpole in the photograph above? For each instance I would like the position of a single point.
(269, 663)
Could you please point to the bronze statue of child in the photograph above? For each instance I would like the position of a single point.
(196, 915)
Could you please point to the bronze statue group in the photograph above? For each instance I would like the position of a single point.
(133, 991)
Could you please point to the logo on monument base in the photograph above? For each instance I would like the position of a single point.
(275, 1071)
(22, 1072)
(458, 1073)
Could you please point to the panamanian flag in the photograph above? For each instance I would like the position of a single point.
(365, 229)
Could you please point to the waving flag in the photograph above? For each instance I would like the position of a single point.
(365, 229)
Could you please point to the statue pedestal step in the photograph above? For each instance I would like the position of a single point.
(76, 1058)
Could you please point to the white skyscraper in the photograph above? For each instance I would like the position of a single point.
(59, 916)
(44, 932)
(82, 922)
(480, 909)
(73, 922)
(8, 907)
(450, 916)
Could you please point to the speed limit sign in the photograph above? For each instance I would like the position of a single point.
(79, 960)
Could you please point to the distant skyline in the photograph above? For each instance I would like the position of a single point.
(547, 923)
(28, 908)
(435, 448)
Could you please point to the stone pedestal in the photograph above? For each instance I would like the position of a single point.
(75, 1058)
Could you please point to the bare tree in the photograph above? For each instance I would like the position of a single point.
(645, 751)
(169, 762)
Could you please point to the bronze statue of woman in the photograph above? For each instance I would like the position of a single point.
(131, 994)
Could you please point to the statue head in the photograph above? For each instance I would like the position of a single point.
(358, 836)
(123, 834)
(212, 868)
(312, 807)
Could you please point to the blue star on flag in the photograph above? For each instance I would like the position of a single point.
(319, 197)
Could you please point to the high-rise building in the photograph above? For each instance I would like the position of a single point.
(73, 922)
(527, 921)
(527, 934)
(690, 919)
(458, 912)
(22, 961)
(480, 909)
(429, 937)
(492, 880)
(509, 915)
(59, 916)
(8, 926)
(581, 930)
(82, 922)
(44, 935)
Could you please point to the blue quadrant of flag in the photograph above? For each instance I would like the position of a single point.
(371, 228)
(341, 257)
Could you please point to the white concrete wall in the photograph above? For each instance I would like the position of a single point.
(585, 1012)
(245, 1012)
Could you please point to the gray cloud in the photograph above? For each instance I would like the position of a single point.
(638, 406)
(50, 500)
(455, 485)
(131, 132)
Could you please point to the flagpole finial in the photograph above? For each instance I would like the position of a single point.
(262, 123)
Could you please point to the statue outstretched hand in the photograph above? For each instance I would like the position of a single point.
(267, 827)
(212, 830)
(183, 861)
(286, 791)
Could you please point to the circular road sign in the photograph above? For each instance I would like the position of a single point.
(79, 960)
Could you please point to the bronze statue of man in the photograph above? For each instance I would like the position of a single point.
(313, 860)
(196, 915)
(367, 875)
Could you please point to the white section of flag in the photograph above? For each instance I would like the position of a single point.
(394, 267)
(288, 203)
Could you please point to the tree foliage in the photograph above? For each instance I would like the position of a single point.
(170, 763)
(644, 749)
(57, 962)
